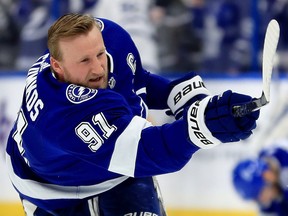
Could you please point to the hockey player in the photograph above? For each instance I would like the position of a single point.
(81, 144)
(264, 179)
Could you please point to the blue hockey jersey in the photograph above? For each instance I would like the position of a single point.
(71, 143)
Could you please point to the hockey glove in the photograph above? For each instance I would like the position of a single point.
(184, 92)
(211, 121)
(222, 124)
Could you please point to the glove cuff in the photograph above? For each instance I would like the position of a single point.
(184, 91)
(199, 134)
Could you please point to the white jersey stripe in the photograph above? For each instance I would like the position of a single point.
(124, 156)
(141, 91)
(29, 207)
(93, 206)
(45, 191)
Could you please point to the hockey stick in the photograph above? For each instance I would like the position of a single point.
(269, 50)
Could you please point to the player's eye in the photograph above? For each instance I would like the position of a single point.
(100, 54)
(85, 60)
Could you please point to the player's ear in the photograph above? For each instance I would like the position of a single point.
(55, 65)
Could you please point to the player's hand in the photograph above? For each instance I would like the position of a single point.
(221, 122)
(210, 121)
(184, 92)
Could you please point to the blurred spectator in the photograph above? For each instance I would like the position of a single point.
(8, 36)
(228, 20)
(204, 35)
(133, 16)
(276, 9)
(228, 41)
(179, 40)
(36, 21)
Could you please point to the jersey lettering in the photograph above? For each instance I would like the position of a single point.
(86, 132)
(131, 61)
(17, 135)
(33, 103)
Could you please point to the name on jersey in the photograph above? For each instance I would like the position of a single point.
(33, 103)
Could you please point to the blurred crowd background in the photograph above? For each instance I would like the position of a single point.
(208, 36)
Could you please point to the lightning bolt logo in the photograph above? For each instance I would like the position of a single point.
(78, 94)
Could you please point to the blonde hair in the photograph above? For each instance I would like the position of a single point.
(69, 25)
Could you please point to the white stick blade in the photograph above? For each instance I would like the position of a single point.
(269, 51)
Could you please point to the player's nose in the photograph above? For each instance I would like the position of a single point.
(98, 66)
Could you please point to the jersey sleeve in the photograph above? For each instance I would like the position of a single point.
(154, 88)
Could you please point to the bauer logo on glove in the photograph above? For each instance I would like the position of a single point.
(188, 89)
(183, 91)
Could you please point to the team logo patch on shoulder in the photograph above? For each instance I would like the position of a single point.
(78, 94)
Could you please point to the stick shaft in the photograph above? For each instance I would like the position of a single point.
(269, 51)
(244, 109)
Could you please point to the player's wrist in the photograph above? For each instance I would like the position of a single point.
(199, 134)
(184, 93)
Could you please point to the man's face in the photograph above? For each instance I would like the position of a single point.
(84, 60)
(271, 191)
